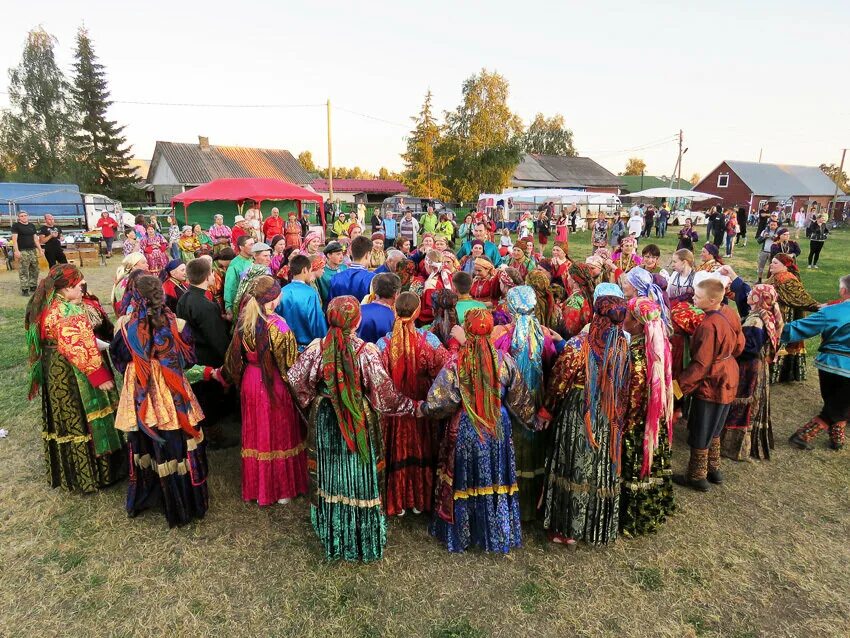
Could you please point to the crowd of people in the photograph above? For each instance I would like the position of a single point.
(444, 371)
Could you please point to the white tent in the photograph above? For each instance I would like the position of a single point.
(672, 193)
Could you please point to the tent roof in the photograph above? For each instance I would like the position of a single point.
(670, 193)
(241, 189)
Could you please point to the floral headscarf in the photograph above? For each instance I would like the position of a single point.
(583, 278)
(478, 374)
(403, 348)
(642, 281)
(444, 304)
(659, 376)
(307, 239)
(342, 375)
(527, 341)
(789, 263)
(548, 313)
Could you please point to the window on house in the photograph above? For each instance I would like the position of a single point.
(723, 180)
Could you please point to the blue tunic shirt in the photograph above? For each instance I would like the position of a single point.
(832, 323)
(354, 281)
(301, 307)
(376, 320)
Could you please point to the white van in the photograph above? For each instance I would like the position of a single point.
(96, 204)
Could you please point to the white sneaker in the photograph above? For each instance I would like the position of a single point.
(809, 266)
(416, 511)
(402, 513)
(284, 501)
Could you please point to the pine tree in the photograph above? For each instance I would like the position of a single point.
(100, 150)
(33, 132)
(423, 166)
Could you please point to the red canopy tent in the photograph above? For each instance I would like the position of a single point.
(256, 189)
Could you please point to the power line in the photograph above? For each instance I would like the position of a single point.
(372, 117)
(203, 105)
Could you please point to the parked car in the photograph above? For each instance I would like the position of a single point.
(678, 217)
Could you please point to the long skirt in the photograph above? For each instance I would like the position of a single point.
(411, 453)
(582, 497)
(645, 502)
(157, 260)
(530, 451)
(71, 455)
(748, 432)
(485, 495)
(274, 457)
(172, 476)
(789, 367)
(346, 498)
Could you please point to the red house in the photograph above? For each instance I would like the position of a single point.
(783, 187)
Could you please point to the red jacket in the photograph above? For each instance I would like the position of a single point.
(712, 374)
(273, 226)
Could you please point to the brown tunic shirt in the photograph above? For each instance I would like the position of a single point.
(712, 374)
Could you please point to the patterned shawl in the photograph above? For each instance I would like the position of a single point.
(763, 301)
(642, 281)
(262, 342)
(444, 304)
(310, 237)
(527, 341)
(606, 354)
(583, 278)
(548, 313)
(342, 375)
(659, 375)
(404, 353)
(478, 374)
(166, 346)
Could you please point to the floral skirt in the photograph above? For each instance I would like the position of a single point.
(645, 502)
(748, 432)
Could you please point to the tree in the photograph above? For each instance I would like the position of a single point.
(305, 158)
(101, 154)
(839, 177)
(34, 131)
(423, 167)
(483, 138)
(635, 166)
(549, 137)
(695, 178)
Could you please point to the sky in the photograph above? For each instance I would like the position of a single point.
(738, 78)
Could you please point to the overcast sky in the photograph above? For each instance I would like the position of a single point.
(736, 76)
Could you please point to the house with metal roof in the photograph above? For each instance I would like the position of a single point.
(177, 167)
(636, 183)
(783, 187)
(367, 191)
(555, 171)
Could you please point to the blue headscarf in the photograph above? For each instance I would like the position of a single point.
(607, 290)
(165, 272)
(527, 342)
(645, 286)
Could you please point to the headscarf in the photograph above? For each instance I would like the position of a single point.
(475, 242)
(486, 264)
(478, 374)
(595, 260)
(58, 278)
(765, 298)
(342, 375)
(642, 281)
(406, 271)
(659, 376)
(548, 313)
(307, 239)
(403, 352)
(713, 250)
(789, 263)
(444, 304)
(607, 290)
(581, 275)
(607, 371)
(351, 229)
(165, 273)
(264, 290)
(506, 280)
(527, 341)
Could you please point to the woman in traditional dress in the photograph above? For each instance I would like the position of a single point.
(131, 262)
(158, 410)
(187, 244)
(562, 231)
(519, 260)
(476, 251)
(749, 430)
(588, 396)
(681, 286)
(477, 500)
(646, 497)
(131, 243)
(794, 303)
(78, 396)
(220, 234)
(278, 259)
(626, 257)
(206, 244)
(155, 248)
(221, 261)
(558, 266)
(534, 350)
(342, 377)
(312, 244)
(640, 283)
(485, 282)
(599, 237)
(274, 458)
(710, 257)
(445, 318)
(292, 232)
(547, 310)
(578, 308)
(412, 357)
(687, 236)
(174, 284)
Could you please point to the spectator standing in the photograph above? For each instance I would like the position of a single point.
(51, 242)
(107, 226)
(26, 250)
(648, 219)
(817, 232)
(742, 225)
(661, 221)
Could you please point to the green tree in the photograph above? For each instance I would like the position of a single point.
(695, 178)
(305, 158)
(635, 166)
(483, 138)
(101, 154)
(423, 166)
(839, 177)
(34, 131)
(549, 136)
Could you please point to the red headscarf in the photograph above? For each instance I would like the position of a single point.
(478, 374)
(789, 263)
(404, 346)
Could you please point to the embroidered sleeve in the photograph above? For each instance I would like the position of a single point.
(283, 347)
(305, 374)
(566, 372)
(444, 396)
(75, 341)
(518, 399)
(378, 386)
(636, 410)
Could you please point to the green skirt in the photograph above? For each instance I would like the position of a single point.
(345, 490)
(645, 502)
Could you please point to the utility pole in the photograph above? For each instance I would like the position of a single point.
(678, 168)
(837, 177)
(679, 176)
(330, 159)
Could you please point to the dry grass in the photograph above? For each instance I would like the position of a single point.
(764, 555)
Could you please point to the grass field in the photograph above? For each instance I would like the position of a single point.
(764, 555)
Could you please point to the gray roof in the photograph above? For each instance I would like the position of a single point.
(193, 165)
(782, 179)
(555, 171)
